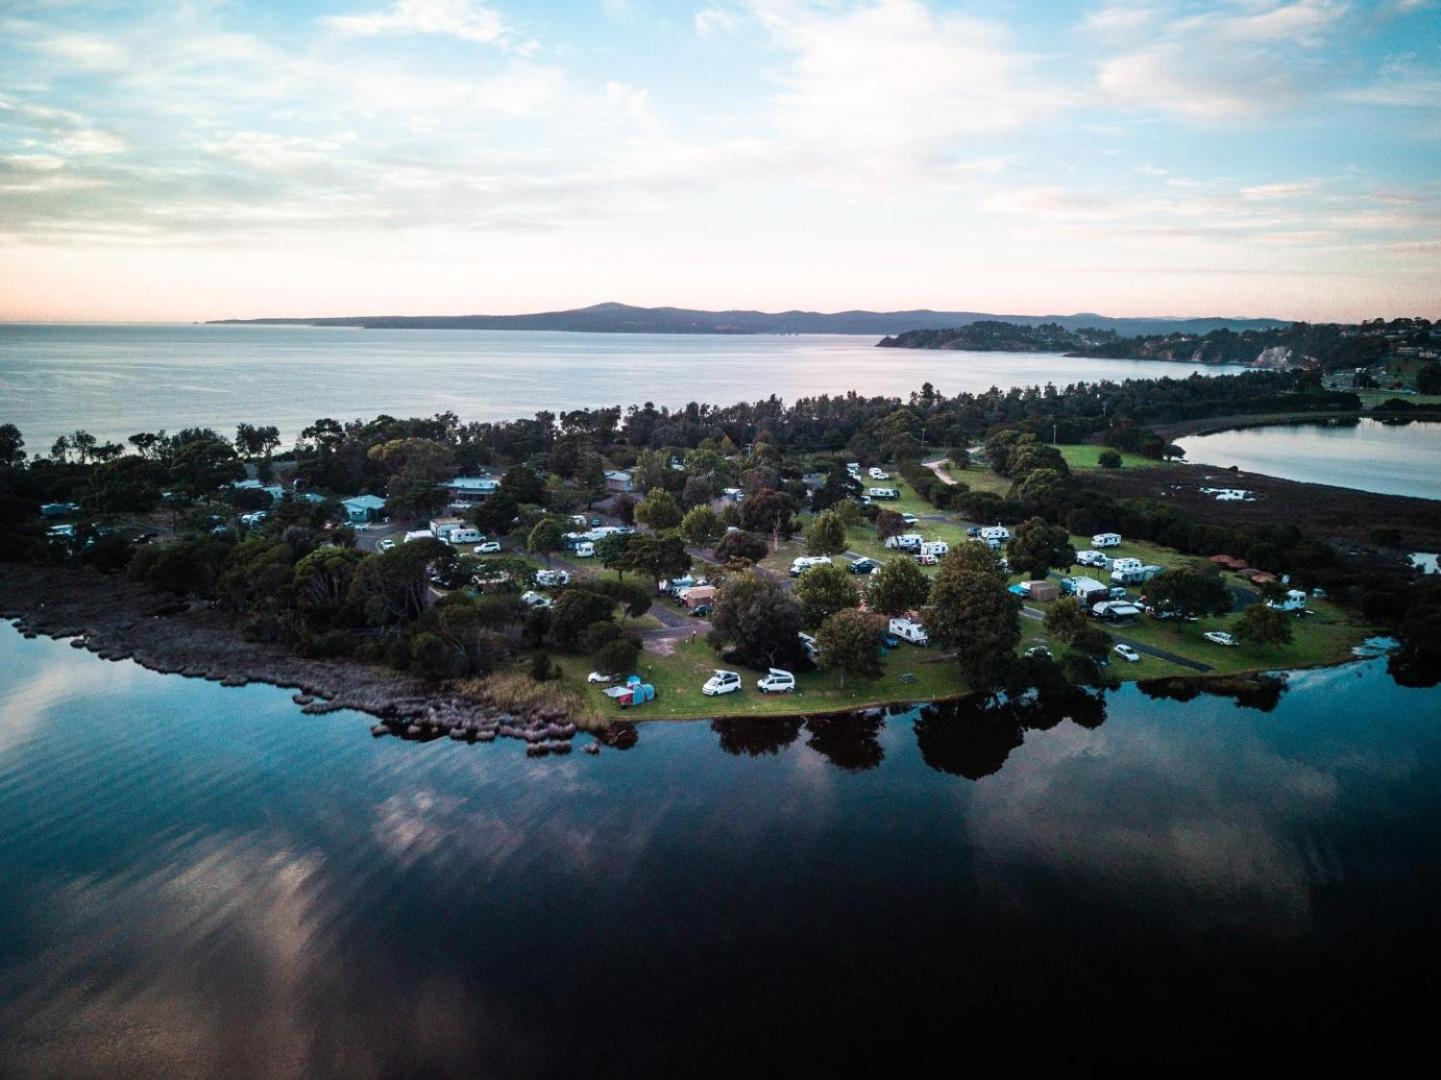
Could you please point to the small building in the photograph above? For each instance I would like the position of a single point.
(1228, 562)
(619, 482)
(1042, 590)
(362, 509)
(469, 490)
(1085, 589)
(275, 491)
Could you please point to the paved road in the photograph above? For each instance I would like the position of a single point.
(1140, 646)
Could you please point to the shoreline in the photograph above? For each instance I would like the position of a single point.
(116, 619)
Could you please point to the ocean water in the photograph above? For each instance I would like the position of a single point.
(115, 381)
(1394, 458)
(202, 881)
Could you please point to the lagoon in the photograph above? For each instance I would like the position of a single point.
(1393, 458)
(200, 880)
(115, 381)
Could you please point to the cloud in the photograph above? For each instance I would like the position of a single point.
(715, 20)
(461, 19)
(1261, 192)
(1257, 60)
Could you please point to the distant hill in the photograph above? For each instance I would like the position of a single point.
(625, 319)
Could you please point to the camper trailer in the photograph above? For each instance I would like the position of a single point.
(910, 630)
(1294, 600)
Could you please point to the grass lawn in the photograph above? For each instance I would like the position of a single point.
(678, 679)
(1087, 456)
(1372, 398)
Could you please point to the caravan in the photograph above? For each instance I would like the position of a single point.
(1295, 600)
(910, 630)
(1105, 540)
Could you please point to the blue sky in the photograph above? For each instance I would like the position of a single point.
(209, 159)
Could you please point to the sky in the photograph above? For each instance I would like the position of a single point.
(241, 158)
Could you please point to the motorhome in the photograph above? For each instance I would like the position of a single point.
(905, 542)
(883, 493)
(1126, 565)
(910, 630)
(464, 536)
(1105, 540)
(1093, 558)
(1294, 600)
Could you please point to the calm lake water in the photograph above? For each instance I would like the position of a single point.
(201, 881)
(1394, 459)
(117, 380)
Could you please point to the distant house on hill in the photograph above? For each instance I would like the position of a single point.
(469, 490)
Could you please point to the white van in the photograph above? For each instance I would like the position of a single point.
(584, 550)
(776, 681)
(1104, 540)
(910, 630)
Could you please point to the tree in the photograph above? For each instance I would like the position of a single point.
(701, 526)
(823, 591)
(1065, 620)
(1264, 626)
(322, 579)
(390, 587)
(972, 612)
(415, 468)
(972, 557)
(889, 524)
(1037, 546)
(496, 515)
(827, 536)
(255, 441)
(545, 539)
(1189, 590)
(658, 510)
(741, 546)
(613, 551)
(1428, 379)
(758, 617)
(850, 643)
(200, 467)
(1109, 459)
(617, 655)
(658, 557)
(12, 446)
(1046, 491)
(523, 485)
(574, 611)
(769, 511)
(897, 587)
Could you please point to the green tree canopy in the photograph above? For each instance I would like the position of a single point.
(897, 587)
(823, 591)
(850, 643)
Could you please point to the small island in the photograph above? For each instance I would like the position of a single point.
(532, 578)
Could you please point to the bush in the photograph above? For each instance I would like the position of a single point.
(1109, 459)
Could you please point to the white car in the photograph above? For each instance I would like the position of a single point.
(807, 562)
(600, 677)
(1125, 652)
(531, 598)
(1219, 637)
(722, 682)
(910, 519)
(490, 547)
(776, 682)
(384, 545)
(1039, 651)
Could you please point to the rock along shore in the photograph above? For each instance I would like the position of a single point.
(119, 620)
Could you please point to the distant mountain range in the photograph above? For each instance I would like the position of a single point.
(625, 319)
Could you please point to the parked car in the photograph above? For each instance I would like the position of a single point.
(722, 682)
(910, 519)
(864, 566)
(1219, 637)
(701, 611)
(531, 598)
(1125, 652)
(1117, 593)
(1039, 651)
(600, 677)
(490, 547)
(776, 682)
(385, 545)
(808, 562)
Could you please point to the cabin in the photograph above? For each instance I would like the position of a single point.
(363, 509)
(619, 482)
(468, 490)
